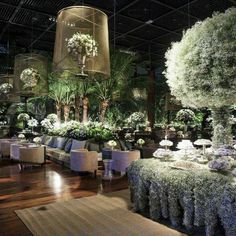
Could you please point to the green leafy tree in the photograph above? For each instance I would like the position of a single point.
(112, 88)
(201, 70)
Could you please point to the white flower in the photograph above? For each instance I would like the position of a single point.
(185, 144)
(82, 43)
(140, 141)
(32, 122)
(166, 142)
(37, 140)
(21, 136)
(29, 77)
(202, 142)
(112, 143)
(5, 88)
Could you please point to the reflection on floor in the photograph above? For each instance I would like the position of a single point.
(41, 185)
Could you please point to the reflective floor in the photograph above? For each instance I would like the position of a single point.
(41, 185)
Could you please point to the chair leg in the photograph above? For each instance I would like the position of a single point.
(95, 173)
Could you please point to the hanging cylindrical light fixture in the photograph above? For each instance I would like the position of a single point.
(82, 45)
(30, 72)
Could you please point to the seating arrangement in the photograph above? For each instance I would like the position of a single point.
(32, 155)
(123, 159)
(84, 160)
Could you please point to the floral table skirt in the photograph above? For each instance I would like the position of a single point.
(187, 197)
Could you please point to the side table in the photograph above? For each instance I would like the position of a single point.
(108, 169)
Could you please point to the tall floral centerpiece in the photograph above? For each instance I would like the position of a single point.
(185, 116)
(29, 77)
(135, 119)
(201, 70)
(82, 46)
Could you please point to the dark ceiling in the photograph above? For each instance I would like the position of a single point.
(145, 26)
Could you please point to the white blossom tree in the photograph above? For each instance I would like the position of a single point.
(201, 70)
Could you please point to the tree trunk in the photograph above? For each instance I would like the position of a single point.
(104, 106)
(58, 108)
(85, 109)
(221, 127)
(66, 112)
(77, 108)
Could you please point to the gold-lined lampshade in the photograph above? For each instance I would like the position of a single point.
(30, 72)
(6, 89)
(82, 45)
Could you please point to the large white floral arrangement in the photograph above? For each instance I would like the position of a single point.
(23, 117)
(200, 68)
(29, 77)
(5, 88)
(32, 122)
(82, 44)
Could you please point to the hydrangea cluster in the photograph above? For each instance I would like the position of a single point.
(46, 124)
(52, 117)
(32, 122)
(82, 44)
(225, 150)
(29, 77)
(222, 163)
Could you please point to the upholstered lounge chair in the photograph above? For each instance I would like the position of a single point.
(122, 159)
(32, 155)
(84, 160)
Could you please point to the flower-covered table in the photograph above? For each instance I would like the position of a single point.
(186, 197)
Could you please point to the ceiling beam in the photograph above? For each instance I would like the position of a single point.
(27, 26)
(175, 9)
(123, 8)
(49, 28)
(28, 9)
(12, 17)
(157, 18)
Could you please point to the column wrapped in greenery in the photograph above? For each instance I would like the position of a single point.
(201, 70)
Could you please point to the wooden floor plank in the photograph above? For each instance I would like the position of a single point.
(43, 185)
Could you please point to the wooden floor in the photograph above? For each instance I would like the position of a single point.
(42, 185)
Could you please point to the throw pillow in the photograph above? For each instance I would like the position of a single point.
(68, 145)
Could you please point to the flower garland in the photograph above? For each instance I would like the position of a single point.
(29, 77)
(82, 44)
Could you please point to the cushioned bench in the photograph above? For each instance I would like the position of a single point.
(59, 148)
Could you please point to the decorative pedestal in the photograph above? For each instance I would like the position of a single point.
(108, 169)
